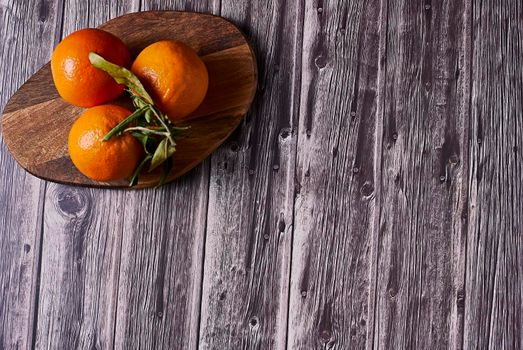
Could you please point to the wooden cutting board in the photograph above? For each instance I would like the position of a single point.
(36, 121)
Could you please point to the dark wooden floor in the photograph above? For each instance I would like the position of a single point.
(372, 199)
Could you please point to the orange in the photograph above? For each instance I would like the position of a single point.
(174, 75)
(76, 80)
(103, 160)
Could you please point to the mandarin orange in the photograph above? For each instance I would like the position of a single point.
(103, 160)
(174, 75)
(76, 80)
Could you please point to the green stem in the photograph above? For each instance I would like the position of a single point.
(121, 126)
(159, 117)
(146, 131)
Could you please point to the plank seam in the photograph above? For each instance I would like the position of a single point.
(115, 322)
(469, 20)
(204, 245)
(382, 74)
(296, 95)
(36, 298)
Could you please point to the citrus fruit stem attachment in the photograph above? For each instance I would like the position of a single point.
(147, 123)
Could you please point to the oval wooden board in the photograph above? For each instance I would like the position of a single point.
(36, 121)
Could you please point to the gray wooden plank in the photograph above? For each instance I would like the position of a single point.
(161, 266)
(248, 243)
(337, 178)
(159, 287)
(83, 230)
(82, 235)
(26, 38)
(424, 157)
(494, 274)
(207, 6)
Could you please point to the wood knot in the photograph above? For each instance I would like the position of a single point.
(325, 335)
(284, 133)
(367, 189)
(460, 300)
(454, 159)
(334, 152)
(281, 224)
(392, 292)
(234, 146)
(72, 201)
(43, 12)
(320, 62)
(253, 322)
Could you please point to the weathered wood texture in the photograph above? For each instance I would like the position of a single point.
(422, 229)
(371, 198)
(249, 222)
(335, 209)
(494, 275)
(31, 35)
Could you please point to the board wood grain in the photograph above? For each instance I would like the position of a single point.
(493, 299)
(28, 34)
(337, 179)
(249, 222)
(35, 118)
(424, 167)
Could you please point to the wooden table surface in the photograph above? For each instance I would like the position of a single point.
(371, 199)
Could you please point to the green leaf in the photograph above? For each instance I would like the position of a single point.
(137, 100)
(164, 150)
(134, 179)
(167, 167)
(143, 140)
(123, 124)
(148, 115)
(121, 75)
